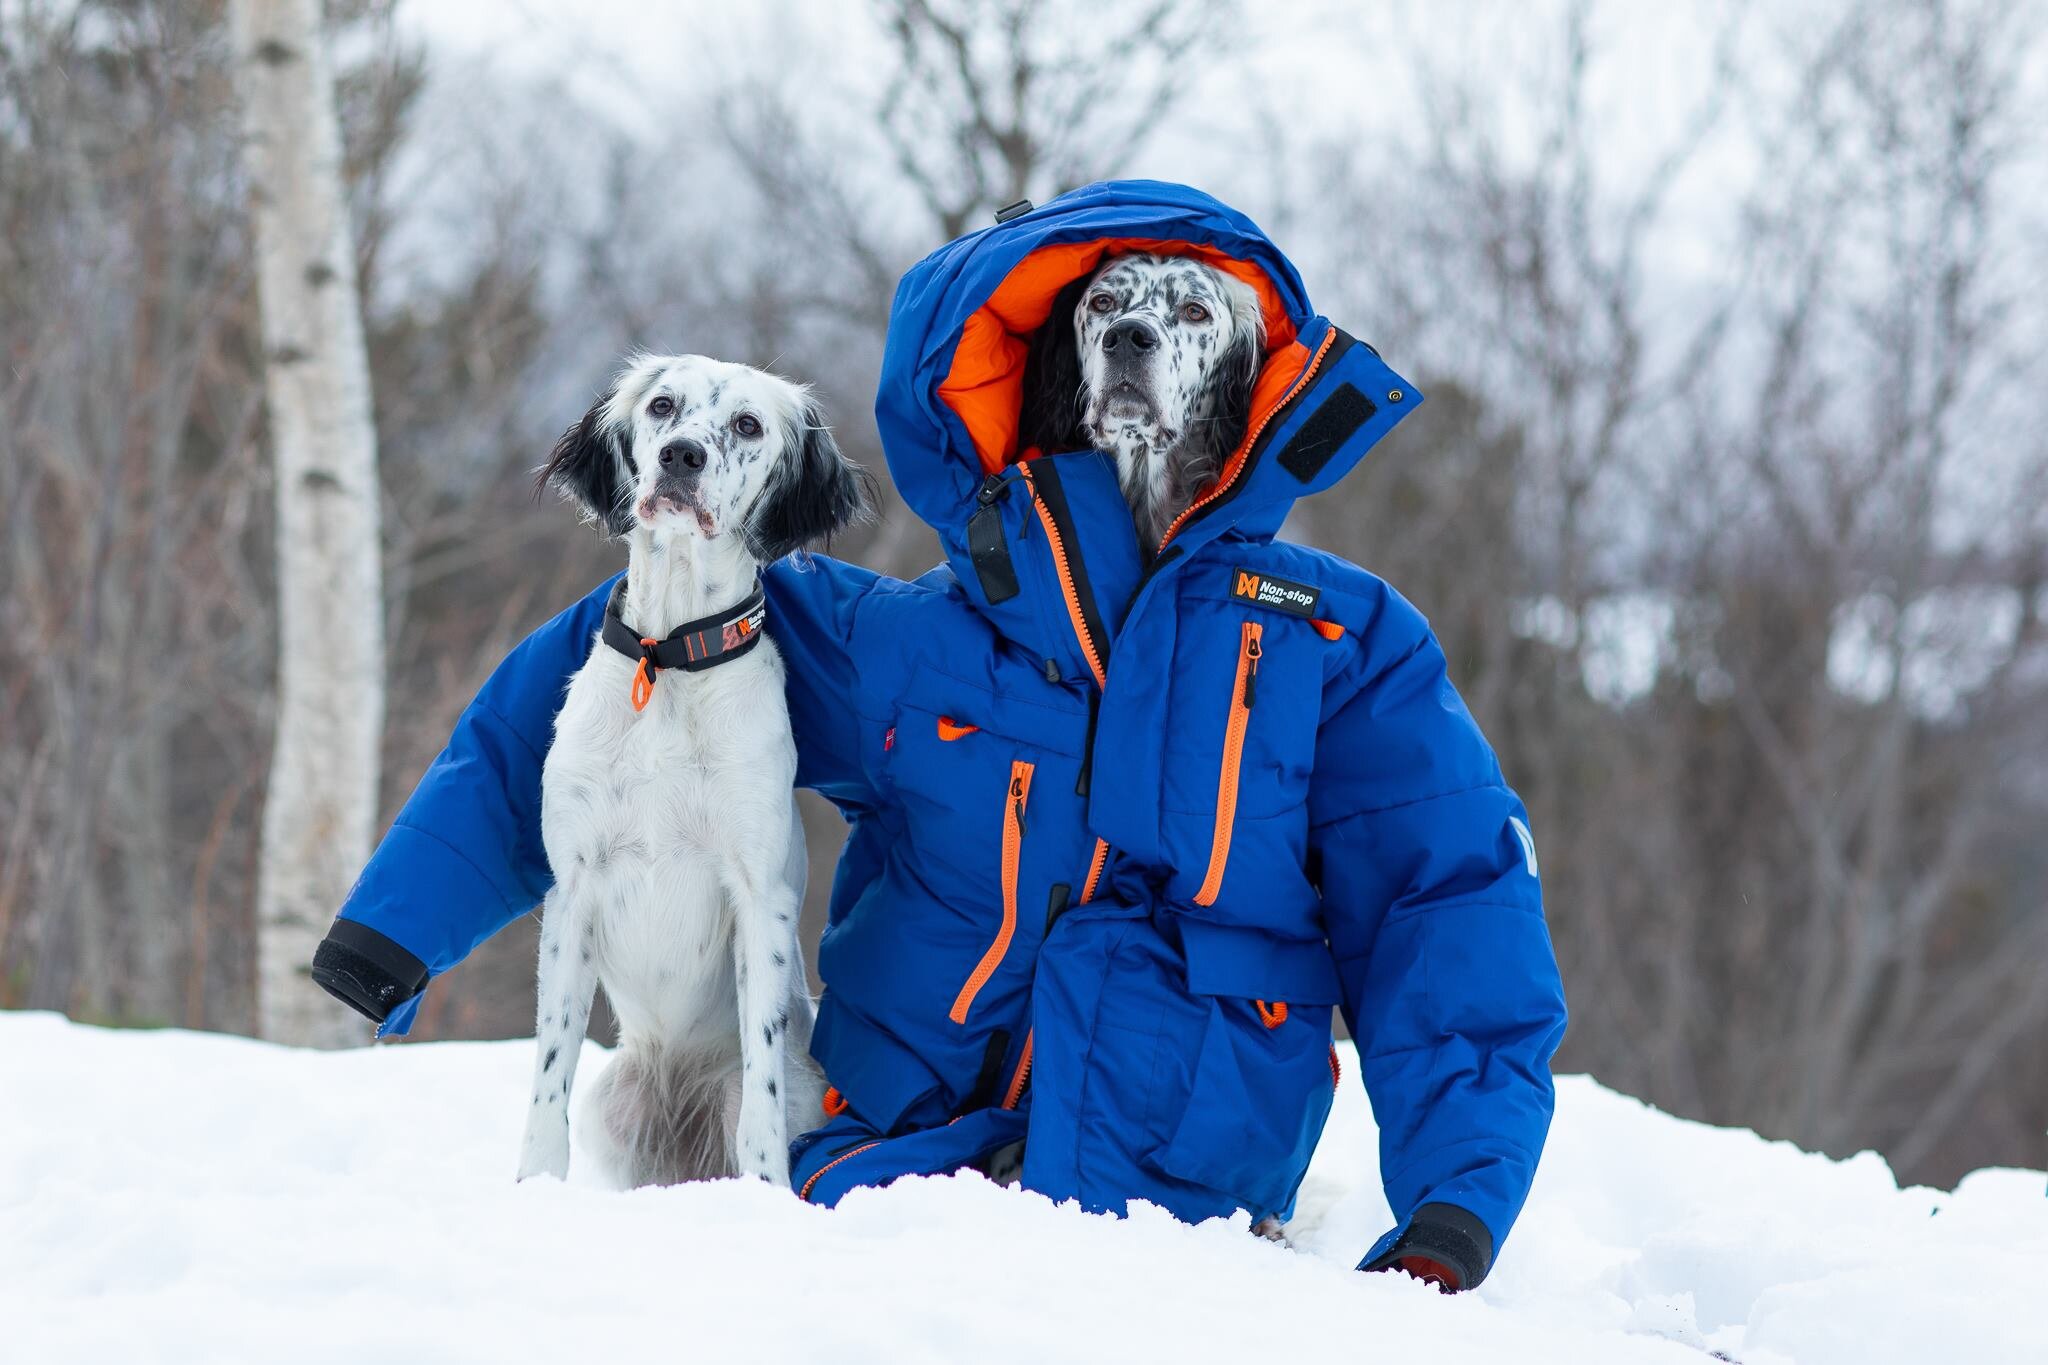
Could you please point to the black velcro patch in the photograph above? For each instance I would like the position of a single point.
(1327, 428)
(1281, 594)
(991, 555)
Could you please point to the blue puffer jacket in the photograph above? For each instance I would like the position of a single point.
(1122, 838)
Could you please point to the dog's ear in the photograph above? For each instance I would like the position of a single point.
(1050, 417)
(589, 465)
(1236, 373)
(1202, 456)
(812, 493)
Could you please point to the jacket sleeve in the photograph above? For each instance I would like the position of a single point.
(813, 602)
(1435, 916)
(464, 858)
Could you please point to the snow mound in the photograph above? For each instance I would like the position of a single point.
(180, 1196)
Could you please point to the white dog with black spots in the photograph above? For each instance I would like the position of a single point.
(667, 808)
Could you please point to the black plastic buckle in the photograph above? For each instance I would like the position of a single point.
(1014, 210)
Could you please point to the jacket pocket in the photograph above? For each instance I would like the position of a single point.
(946, 764)
(1257, 1079)
(1243, 697)
(1257, 1099)
(1018, 795)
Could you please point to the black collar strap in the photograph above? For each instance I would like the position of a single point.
(693, 646)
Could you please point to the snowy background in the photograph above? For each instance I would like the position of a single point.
(1730, 504)
(182, 1197)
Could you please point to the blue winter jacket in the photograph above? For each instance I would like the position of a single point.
(1122, 838)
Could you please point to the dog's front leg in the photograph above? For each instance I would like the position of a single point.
(764, 955)
(568, 978)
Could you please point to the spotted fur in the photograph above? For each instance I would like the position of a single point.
(672, 832)
(1151, 359)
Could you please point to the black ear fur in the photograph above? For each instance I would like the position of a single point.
(588, 465)
(1210, 443)
(812, 494)
(1050, 417)
(1238, 373)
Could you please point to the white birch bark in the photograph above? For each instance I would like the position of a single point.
(320, 813)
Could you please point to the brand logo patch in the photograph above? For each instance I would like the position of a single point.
(1264, 590)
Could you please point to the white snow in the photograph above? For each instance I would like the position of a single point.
(191, 1197)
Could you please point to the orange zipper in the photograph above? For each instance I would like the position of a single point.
(1251, 438)
(1243, 693)
(1016, 1091)
(1013, 841)
(805, 1192)
(1094, 870)
(1067, 588)
(1023, 1076)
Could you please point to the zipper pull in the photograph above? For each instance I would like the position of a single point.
(1017, 796)
(1251, 674)
(994, 487)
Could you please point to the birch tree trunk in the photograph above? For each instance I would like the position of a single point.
(322, 798)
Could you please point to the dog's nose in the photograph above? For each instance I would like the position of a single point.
(688, 453)
(1135, 332)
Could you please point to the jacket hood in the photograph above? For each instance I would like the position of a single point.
(959, 331)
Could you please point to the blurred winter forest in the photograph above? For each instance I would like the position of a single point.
(1730, 500)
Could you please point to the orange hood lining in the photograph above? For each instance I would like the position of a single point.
(985, 386)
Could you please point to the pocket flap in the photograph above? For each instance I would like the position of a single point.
(1252, 964)
(963, 704)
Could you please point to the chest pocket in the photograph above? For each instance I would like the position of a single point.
(1246, 699)
(984, 788)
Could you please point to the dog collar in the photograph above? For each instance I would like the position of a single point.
(693, 646)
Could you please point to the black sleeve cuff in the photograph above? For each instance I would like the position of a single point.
(366, 971)
(1448, 1235)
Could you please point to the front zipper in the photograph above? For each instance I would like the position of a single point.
(1023, 1076)
(1022, 1079)
(1064, 563)
(1241, 460)
(1244, 694)
(1013, 843)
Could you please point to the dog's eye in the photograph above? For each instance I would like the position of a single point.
(1194, 312)
(661, 407)
(1101, 303)
(746, 424)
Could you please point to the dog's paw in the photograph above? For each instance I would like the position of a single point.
(545, 1152)
(764, 1155)
(530, 1167)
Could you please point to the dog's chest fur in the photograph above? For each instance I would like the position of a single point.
(641, 812)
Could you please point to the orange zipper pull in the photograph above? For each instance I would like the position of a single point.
(1017, 795)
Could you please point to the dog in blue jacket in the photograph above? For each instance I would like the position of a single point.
(1130, 819)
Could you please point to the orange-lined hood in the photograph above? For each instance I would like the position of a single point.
(953, 372)
(959, 332)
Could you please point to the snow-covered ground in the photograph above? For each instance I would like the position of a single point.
(178, 1196)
